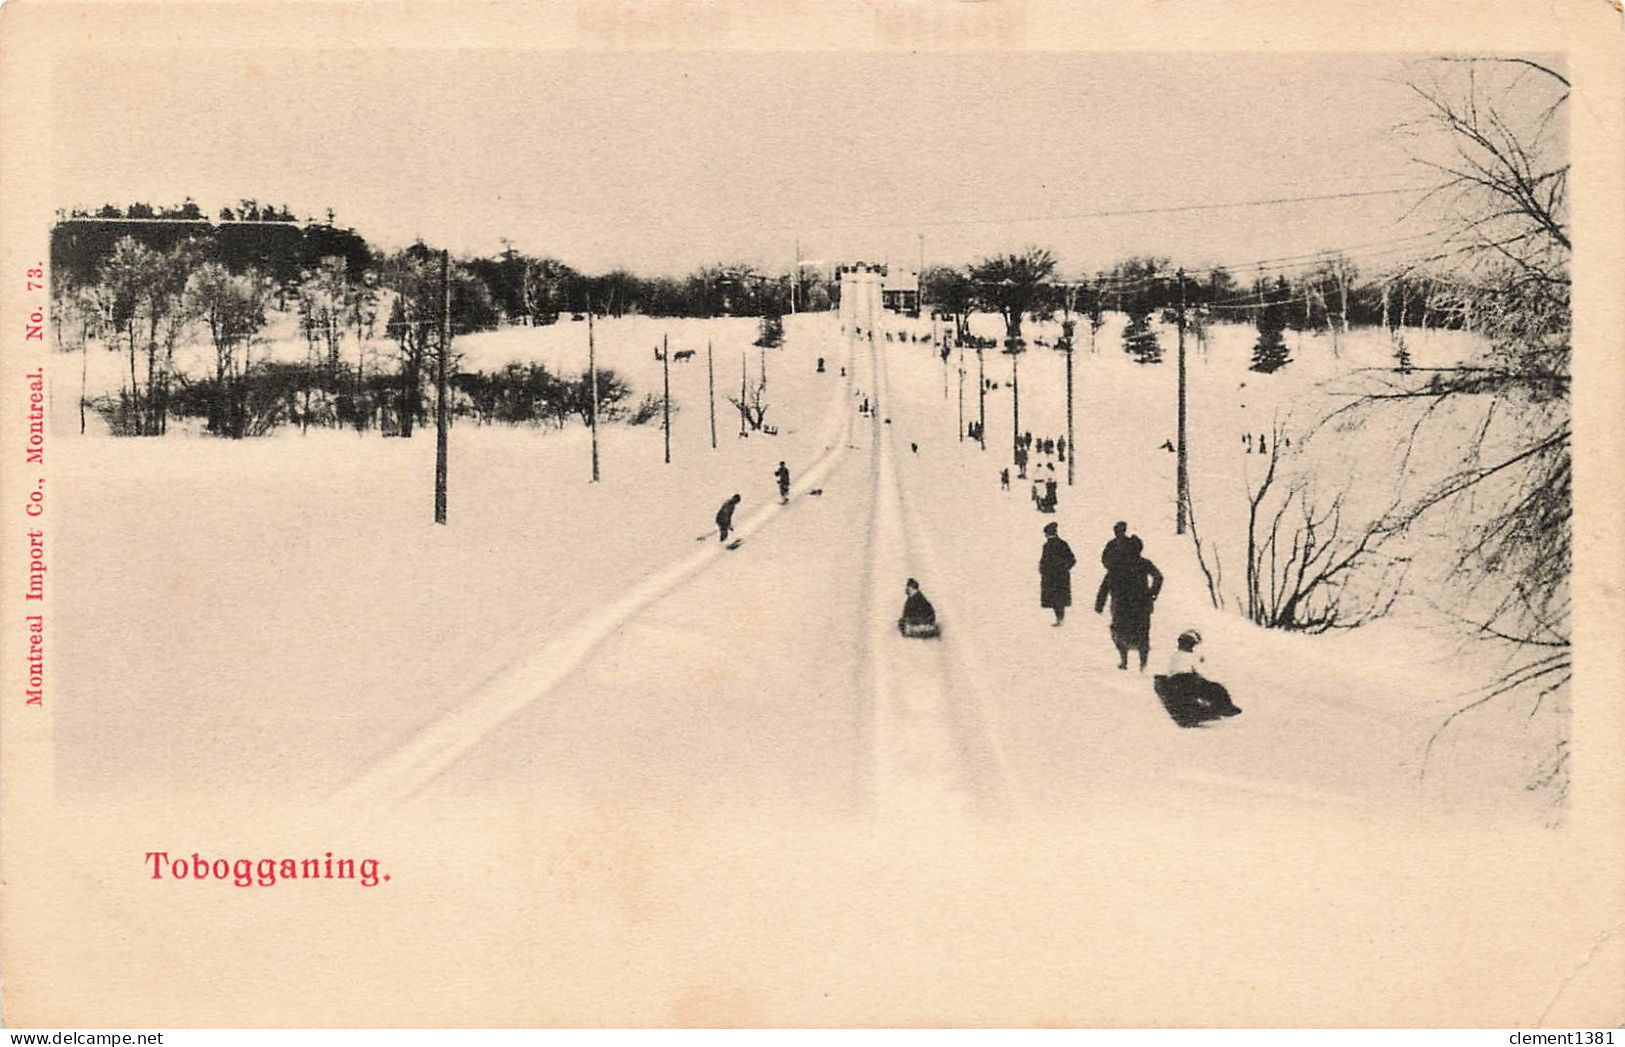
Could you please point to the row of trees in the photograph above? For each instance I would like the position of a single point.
(361, 369)
(538, 290)
(1330, 294)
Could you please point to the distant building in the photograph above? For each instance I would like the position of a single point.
(865, 288)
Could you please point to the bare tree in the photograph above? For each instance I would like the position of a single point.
(1310, 564)
(232, 311)
(754, 407)
(1504, 174)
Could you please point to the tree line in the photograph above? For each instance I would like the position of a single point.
(370, 319)
(1331, 295)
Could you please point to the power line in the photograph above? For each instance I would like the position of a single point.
(1267, 264)
(1129, 211)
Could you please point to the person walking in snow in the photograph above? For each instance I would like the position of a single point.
(725, 518)
(1055, 573)
(783, 475)
(1004, 479)
(1117, 550)
(1133, 586)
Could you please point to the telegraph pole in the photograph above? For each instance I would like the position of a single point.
(961, 390)
(1067, 328)
(1183, 489)
(711, 392)
(1015, 394)
(665, 403)
(592, 412)
(981, 398)
(441, 421)
(742, 366)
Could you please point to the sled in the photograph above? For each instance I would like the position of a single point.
(736, 543)
(1194, 708)
(919, 630)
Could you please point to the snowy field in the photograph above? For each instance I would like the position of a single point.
(282, 614)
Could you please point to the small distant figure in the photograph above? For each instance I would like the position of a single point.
(1060, 448)
(864, 409)
(1189, 696)
(913, 447)
(820, 365)
(1263, 448)
(1055, 573)
(1021, 462)
(1004, 479)
(1247, 442)
(1133, 587)
(725, 518)
(919, 618)
(1047, 503)
(783, 476)
(1117, 550)
(843, 372)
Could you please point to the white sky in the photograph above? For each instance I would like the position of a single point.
(661, 162)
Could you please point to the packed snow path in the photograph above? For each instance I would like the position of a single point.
(900, 718)
(772, 674)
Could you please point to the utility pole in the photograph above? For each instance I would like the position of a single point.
(1067, 328)
(1015, 394)
(919, 292)
(665, 403)
(441, 422)
(711, 392)
(981, 398)
(1183, 490)
(742, 366)
(795, 278)
(592, 371)
(961, 390)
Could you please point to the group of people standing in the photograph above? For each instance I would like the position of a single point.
(1132, 584)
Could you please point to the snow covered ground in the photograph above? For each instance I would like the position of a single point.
(281, 614)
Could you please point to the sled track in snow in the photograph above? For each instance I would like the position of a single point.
(527, 680)
(932, 752)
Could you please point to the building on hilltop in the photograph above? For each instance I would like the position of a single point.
(866, 288)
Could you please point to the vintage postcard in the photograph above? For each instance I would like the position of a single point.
(888, 513)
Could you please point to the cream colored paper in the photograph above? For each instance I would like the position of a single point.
(774, 906)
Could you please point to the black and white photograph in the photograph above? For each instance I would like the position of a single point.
(899, 514)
